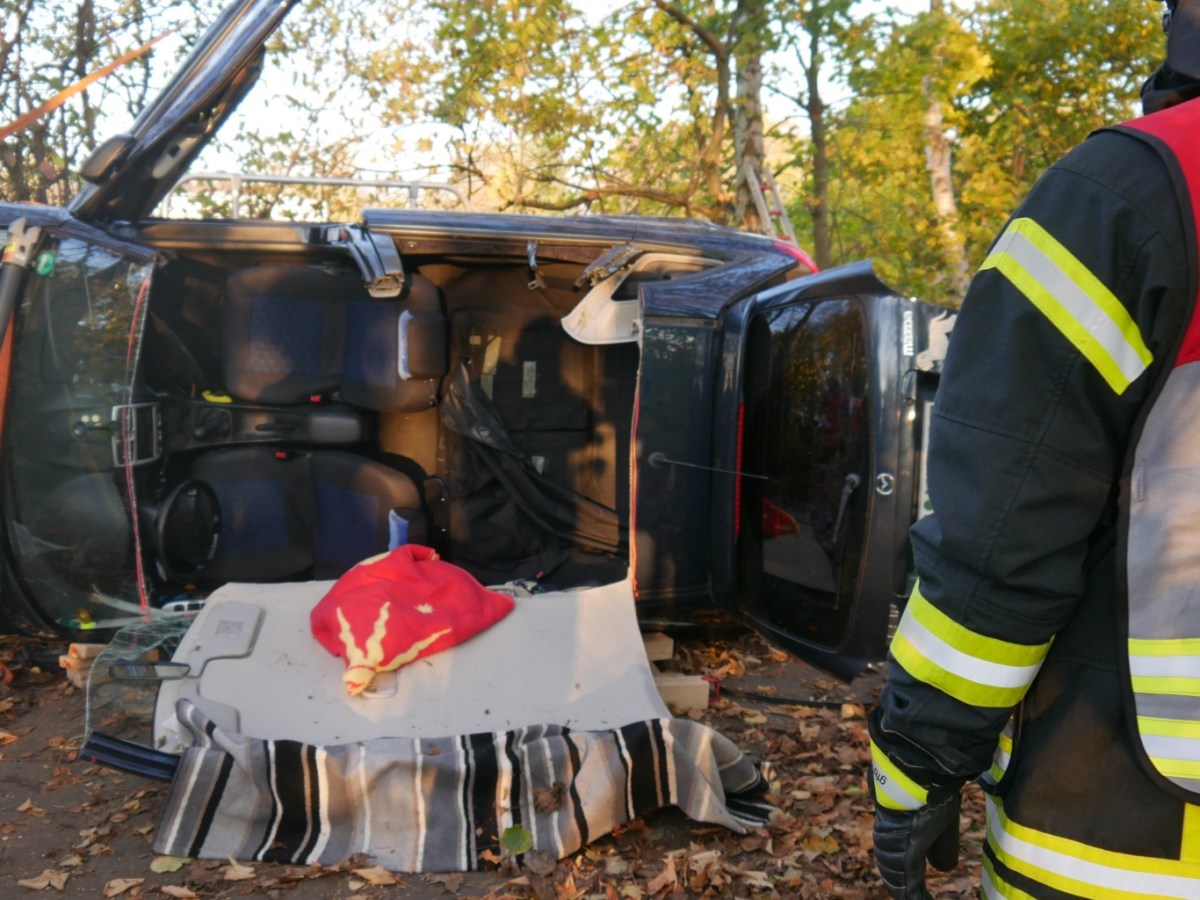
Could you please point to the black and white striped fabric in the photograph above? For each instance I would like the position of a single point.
(434, 805)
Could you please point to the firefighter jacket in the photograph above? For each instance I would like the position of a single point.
(1052, 644)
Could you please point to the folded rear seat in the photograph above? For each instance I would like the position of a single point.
(291, 332)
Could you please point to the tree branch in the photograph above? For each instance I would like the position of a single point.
(710, 40)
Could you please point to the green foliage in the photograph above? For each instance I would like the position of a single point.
(548, 105)
(1024, 82)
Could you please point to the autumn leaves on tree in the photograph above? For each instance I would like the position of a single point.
(903, 135)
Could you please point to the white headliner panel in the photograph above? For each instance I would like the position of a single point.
(568, 657)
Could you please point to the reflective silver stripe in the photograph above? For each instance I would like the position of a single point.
(1165, 666)
(1163, 566)
(1081, 306)
(973, 668)
(894, 789)
(1082, 870)
(1002, 756)
(1166, 747)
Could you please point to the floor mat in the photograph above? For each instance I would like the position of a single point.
(442, 804)
(548, 720)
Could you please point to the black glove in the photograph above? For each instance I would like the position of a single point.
(905, 840)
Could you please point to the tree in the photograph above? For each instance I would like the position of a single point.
(820, 30)
(47, 45)
(1018, 83)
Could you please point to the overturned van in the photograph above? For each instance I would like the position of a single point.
(553, 401)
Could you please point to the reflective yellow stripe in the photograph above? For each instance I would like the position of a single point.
(995, 886)
(1189, 850)
(972, 667)
(1002, 756)
(893, 788)
(1180, 728)
(1179, 687)
(1177, 768)
(1170, 666)
(1087, 871)
(1164, 647)
(1075, 301)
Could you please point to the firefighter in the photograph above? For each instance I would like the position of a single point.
(1051, 647)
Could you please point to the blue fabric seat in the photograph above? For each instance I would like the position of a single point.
(291, 332)
(288, 515)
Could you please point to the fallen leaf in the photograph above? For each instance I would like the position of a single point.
(516, 840)
(71, 861)
(376, 875)
(161, 864)
(28, 807)
(7, 737)
(121, 885)
(614, 865)
(49, 878)
(235, 871)
(179, 893)
(451, 882)
(666, 880)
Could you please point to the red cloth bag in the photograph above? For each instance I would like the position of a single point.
(398, 607)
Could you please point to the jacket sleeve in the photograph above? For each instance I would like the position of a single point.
(1055, 351)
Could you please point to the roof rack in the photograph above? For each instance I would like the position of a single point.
(239, 180)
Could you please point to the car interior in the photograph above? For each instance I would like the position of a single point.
(284, 424)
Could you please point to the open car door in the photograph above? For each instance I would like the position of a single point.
(837, 378)
(129, 174)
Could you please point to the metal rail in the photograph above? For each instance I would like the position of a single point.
(239, 180)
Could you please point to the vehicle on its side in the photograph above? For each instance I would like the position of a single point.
(559, 400)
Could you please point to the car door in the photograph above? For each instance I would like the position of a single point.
(130, 173)
(835, 379)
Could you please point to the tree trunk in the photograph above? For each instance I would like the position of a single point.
(818, 205)
(748, 148)
(939, 164)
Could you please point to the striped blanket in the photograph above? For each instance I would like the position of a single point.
(435, 805)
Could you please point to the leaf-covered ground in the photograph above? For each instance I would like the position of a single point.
(69, 828)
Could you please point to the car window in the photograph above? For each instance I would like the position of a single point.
(75, 351)
(808, 433)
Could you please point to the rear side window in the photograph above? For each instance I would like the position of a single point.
(808, 433)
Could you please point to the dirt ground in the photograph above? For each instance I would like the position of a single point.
(71, 828)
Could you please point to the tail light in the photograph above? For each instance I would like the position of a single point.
(737, 481)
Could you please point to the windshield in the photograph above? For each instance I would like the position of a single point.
(69, 434)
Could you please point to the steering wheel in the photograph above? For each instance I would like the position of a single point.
(186, 527)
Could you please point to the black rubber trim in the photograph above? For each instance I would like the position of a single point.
(129, 757)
